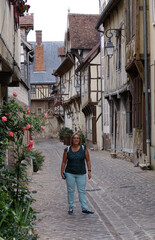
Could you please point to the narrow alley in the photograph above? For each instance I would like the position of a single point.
(121, 195)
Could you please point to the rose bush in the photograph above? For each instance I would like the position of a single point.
(15, 124)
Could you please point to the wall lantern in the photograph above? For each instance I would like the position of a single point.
(109, 34)
(110, 48)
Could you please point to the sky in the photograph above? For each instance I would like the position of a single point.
(50, 16)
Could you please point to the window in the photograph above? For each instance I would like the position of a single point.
(39, 111)
(118, 50)
(129, 113)
(130, 19)
(111, 117)
(33, 89)
(153, 12)
(133, 17)
(50, 88)
(137, 102)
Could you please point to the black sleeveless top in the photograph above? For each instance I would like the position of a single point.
(76, 161)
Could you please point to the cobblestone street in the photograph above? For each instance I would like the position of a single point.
(121, 195)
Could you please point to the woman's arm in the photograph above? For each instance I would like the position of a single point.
(63, 164)
(88, 163)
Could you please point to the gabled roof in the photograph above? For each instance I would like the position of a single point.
(51, 61)
(27, 20)
(64, 67)
(90, 56)
(81, 30)
(106, 12)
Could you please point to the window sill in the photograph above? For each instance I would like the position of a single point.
(130, 134)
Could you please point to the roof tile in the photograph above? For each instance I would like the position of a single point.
(82, 30)
(26, 20)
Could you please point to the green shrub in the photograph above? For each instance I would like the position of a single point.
(61, 132)
(68, 132)
(37, 159)
(65, 132)
(83, 141)
(16, 214)
(15, 218)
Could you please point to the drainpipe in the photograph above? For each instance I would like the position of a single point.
(102, 129)
(146, 85)
(6, 96)
(28, 78)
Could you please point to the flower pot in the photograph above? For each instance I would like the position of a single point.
(61, 138)
(67, 140)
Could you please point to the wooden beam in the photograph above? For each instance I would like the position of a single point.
(140, 69)
(75, 52)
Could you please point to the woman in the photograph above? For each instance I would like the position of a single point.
(75, 172)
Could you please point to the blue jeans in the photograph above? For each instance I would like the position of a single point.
(80, 181)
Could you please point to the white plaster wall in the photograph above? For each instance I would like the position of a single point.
(11, 37)
(21, 92)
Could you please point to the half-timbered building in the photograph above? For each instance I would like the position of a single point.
(80, 38)
(124, 77)
(42, 80)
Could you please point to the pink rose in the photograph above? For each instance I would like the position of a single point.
(30, 145)
(42, 128)
(11, 134)
(28, 111)
(4, 119)
(28, 126)
(14, 94)
(46, 115)
(24, 128)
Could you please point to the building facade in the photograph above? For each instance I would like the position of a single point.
(80, 39)
(124, 84)
(26, 58)
(42, 80)
(89, 72)
(152, 77)
(9, 49)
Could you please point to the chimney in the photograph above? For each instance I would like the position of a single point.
(39, 53)
(39, 37)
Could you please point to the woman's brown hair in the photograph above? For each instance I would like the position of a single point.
(76, 133)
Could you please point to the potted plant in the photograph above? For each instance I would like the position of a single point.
(67, 136)
(61, 134)
(82, 137)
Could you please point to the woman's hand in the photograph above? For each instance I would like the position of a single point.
(89, 175)
(63, 164)
(62, 175)
(88, 163)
